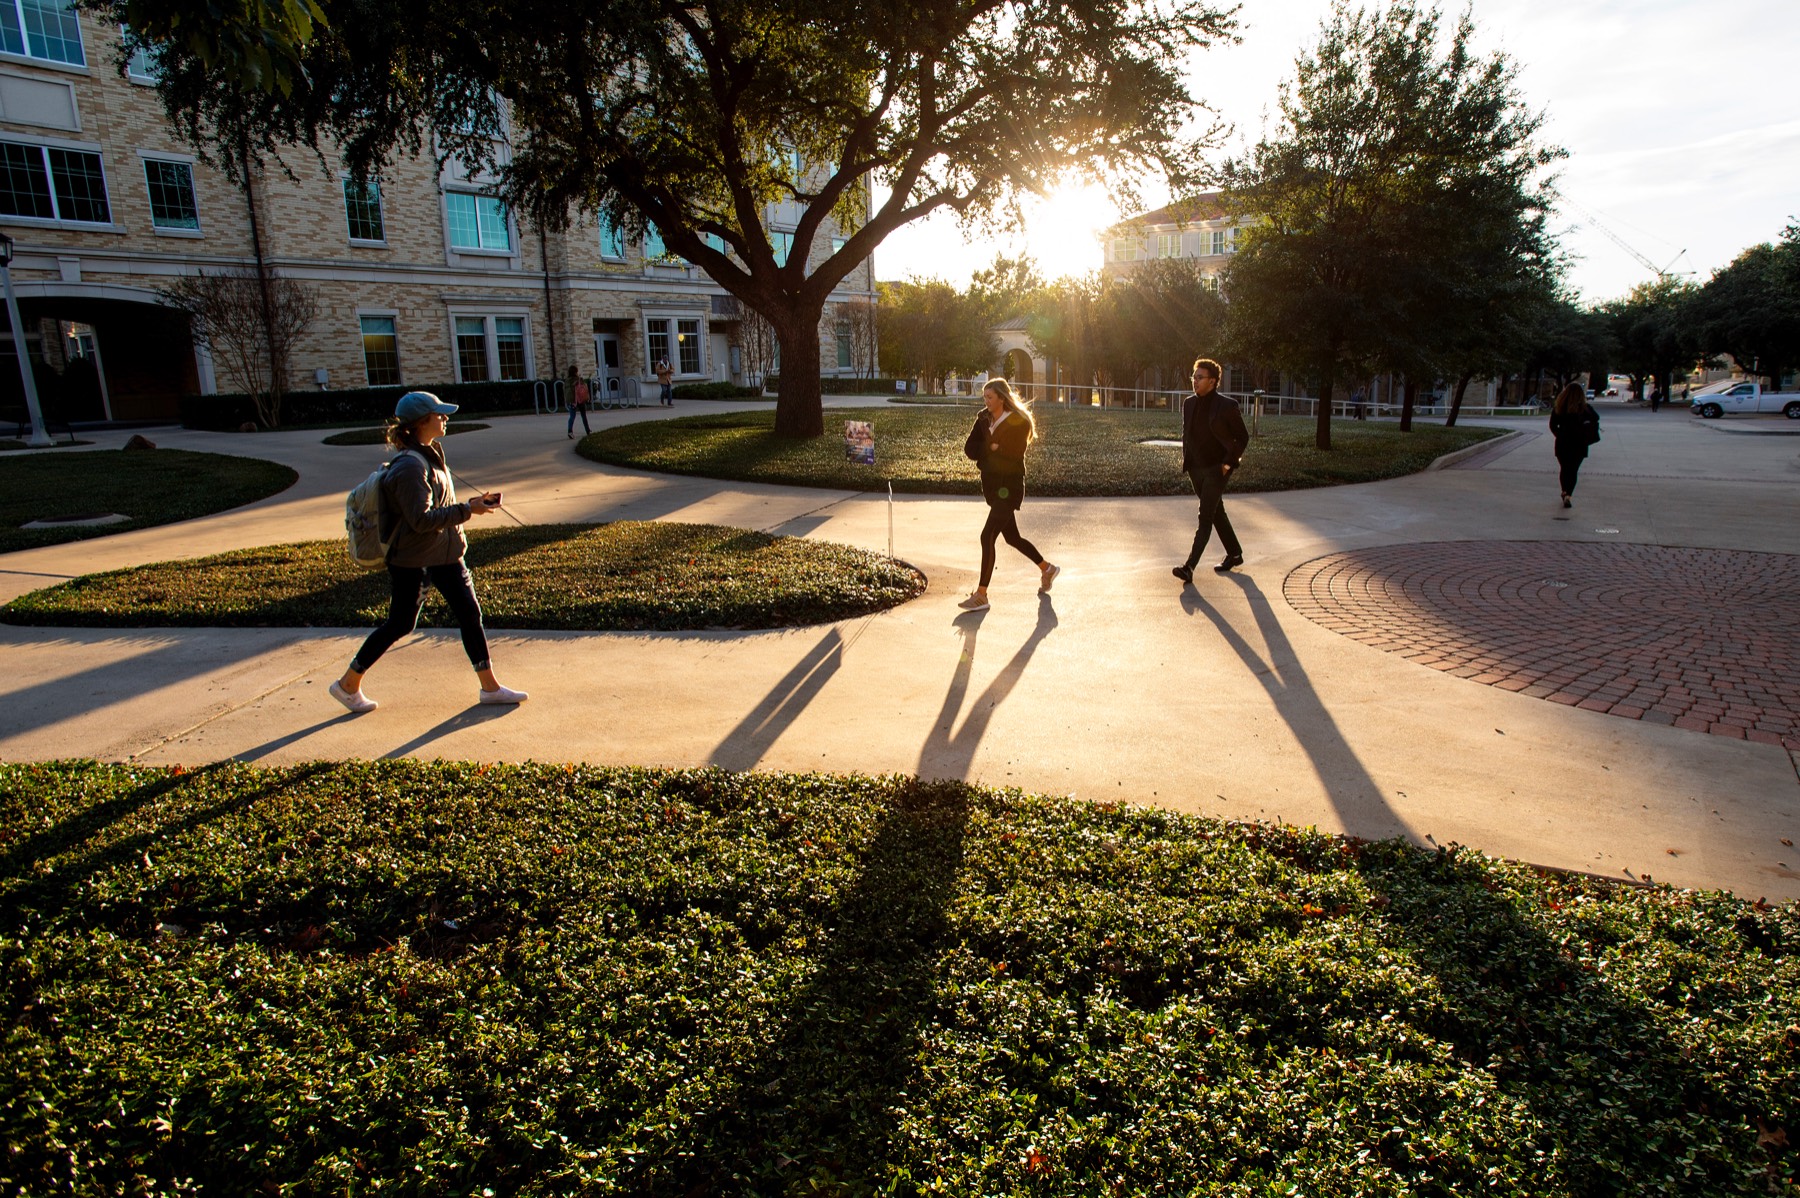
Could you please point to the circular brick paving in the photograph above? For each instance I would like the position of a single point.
(1707, 639)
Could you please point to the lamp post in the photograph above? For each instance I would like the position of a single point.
(39, 439)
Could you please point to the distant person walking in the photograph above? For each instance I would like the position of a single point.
(1359, 401)
(1213, 439)
(997, 444)
(579, 398)
(665, 377)
(1575, 426)
(421, 521)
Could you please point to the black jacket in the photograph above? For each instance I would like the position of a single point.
(1001, 456)
(1574, 432)
(1212, 433)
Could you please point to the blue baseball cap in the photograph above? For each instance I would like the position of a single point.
(416, 405)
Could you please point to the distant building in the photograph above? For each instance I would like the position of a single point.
(422, 277)
(1197, 229)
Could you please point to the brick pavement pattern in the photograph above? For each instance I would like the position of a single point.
(1707, 639)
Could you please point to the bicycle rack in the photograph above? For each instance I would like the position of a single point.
(547, 396)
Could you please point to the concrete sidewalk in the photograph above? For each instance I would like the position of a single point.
(1220, 698)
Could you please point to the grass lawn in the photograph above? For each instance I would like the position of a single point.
(627, 575)
(444, 978)
(378, 435)
(1081, 451)
(152, 486)
(7, 443)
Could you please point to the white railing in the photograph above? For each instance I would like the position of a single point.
(1269, 404)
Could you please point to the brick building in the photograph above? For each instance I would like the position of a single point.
(421, 279)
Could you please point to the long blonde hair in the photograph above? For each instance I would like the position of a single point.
(1014, 404)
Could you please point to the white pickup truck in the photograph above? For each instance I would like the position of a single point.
(1745, 397)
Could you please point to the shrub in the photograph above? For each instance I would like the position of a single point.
(226, 413)
(716, 391)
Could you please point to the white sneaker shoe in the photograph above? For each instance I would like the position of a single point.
(974, 603)
(504, 695)
(356, 701)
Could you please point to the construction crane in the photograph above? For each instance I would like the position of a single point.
(1661, 272)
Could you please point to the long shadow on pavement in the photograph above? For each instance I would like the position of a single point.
(1351, 790)
(119, 680)
(947, 754)
(745, 744)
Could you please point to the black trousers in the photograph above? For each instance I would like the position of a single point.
(1570, 468)
(457, 588)
(1003, 522)
(1209, 487)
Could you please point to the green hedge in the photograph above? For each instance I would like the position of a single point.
(842, 386)
(225, 413)
(717, 391)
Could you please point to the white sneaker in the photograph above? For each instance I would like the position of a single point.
(974, 603)
(355, 700)
(503, 695)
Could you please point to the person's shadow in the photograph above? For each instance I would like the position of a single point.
(1361, 808)
(950, 754)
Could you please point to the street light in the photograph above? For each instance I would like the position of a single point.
(39, 439)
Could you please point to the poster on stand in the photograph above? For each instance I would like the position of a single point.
(859, 442)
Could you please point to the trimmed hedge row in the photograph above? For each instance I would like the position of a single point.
(717, 391)
(225, 413)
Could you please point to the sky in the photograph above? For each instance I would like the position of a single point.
(1681, 118)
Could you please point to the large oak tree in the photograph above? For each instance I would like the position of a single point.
(703, 118)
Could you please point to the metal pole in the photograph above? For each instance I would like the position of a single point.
(39, 439)
(1256, 413)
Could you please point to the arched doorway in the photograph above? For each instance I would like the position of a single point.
(1017, 367)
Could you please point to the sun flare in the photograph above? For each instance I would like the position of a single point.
(1062, 230)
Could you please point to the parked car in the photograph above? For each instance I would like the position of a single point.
(1734, 398)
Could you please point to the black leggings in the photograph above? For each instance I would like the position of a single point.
(457, 588)
(1003, 522)
(1571, 466)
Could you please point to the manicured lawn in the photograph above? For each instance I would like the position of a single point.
(1080, 451)
(444, 978)
(378, 435)
(153, 486)
(627, 575)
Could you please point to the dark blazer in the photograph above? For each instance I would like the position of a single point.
(1574, 432)
(1212, 433)
(1001, 456)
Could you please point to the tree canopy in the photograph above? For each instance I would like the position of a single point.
(1395, 214)
(1751, 308)
(715, 121)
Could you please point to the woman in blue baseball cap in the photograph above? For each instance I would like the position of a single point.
(421, 524)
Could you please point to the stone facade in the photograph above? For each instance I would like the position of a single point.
(1196, 228)
(525, 305)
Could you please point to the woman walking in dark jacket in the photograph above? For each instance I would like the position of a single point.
(421, 521)
(997, 444)
(1575, 426)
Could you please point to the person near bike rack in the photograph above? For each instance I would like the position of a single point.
(665, 378)
(579, 397)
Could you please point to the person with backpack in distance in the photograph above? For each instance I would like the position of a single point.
(997, 445)
(579, 398)
(419, 524)
(1213, 440)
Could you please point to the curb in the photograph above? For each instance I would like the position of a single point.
(1469, 451)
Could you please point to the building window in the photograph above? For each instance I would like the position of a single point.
(1168, 245)
(656, 341)
(491, 347)
(655, 249)
(838, 243)
(1218, 241)
(171, 186)
(381, 351)
(51, 183)
(687, 345)
(141, 66)
(783, 243)
(362, 210)
(1128, 249)
(44, 29)
(477, 222)
(1235, 233)
(612, 241)
(843, 346)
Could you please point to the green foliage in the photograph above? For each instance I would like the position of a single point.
(929, 330)
(628, 575)
(918, 448)
(439, 977)
(1396, 215)
(156, 486)
(227, 412)
(378, 436)
(716, 391)
(1654, 331)
(1751, 309)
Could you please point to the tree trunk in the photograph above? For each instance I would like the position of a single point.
(1456, 398)
(799, 412)
(1322, 436)
(270, 408)
(1408, 396)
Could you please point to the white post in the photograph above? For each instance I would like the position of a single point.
(39, 439)
(890, 521)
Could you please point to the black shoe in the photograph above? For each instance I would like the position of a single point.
(1231, 562)
(1566, 502)
(1185, 573)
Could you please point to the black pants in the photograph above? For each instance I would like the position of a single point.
(1003, 522)
(457, 588)
(582, 408)
(1209, 486)
(1571, 466)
